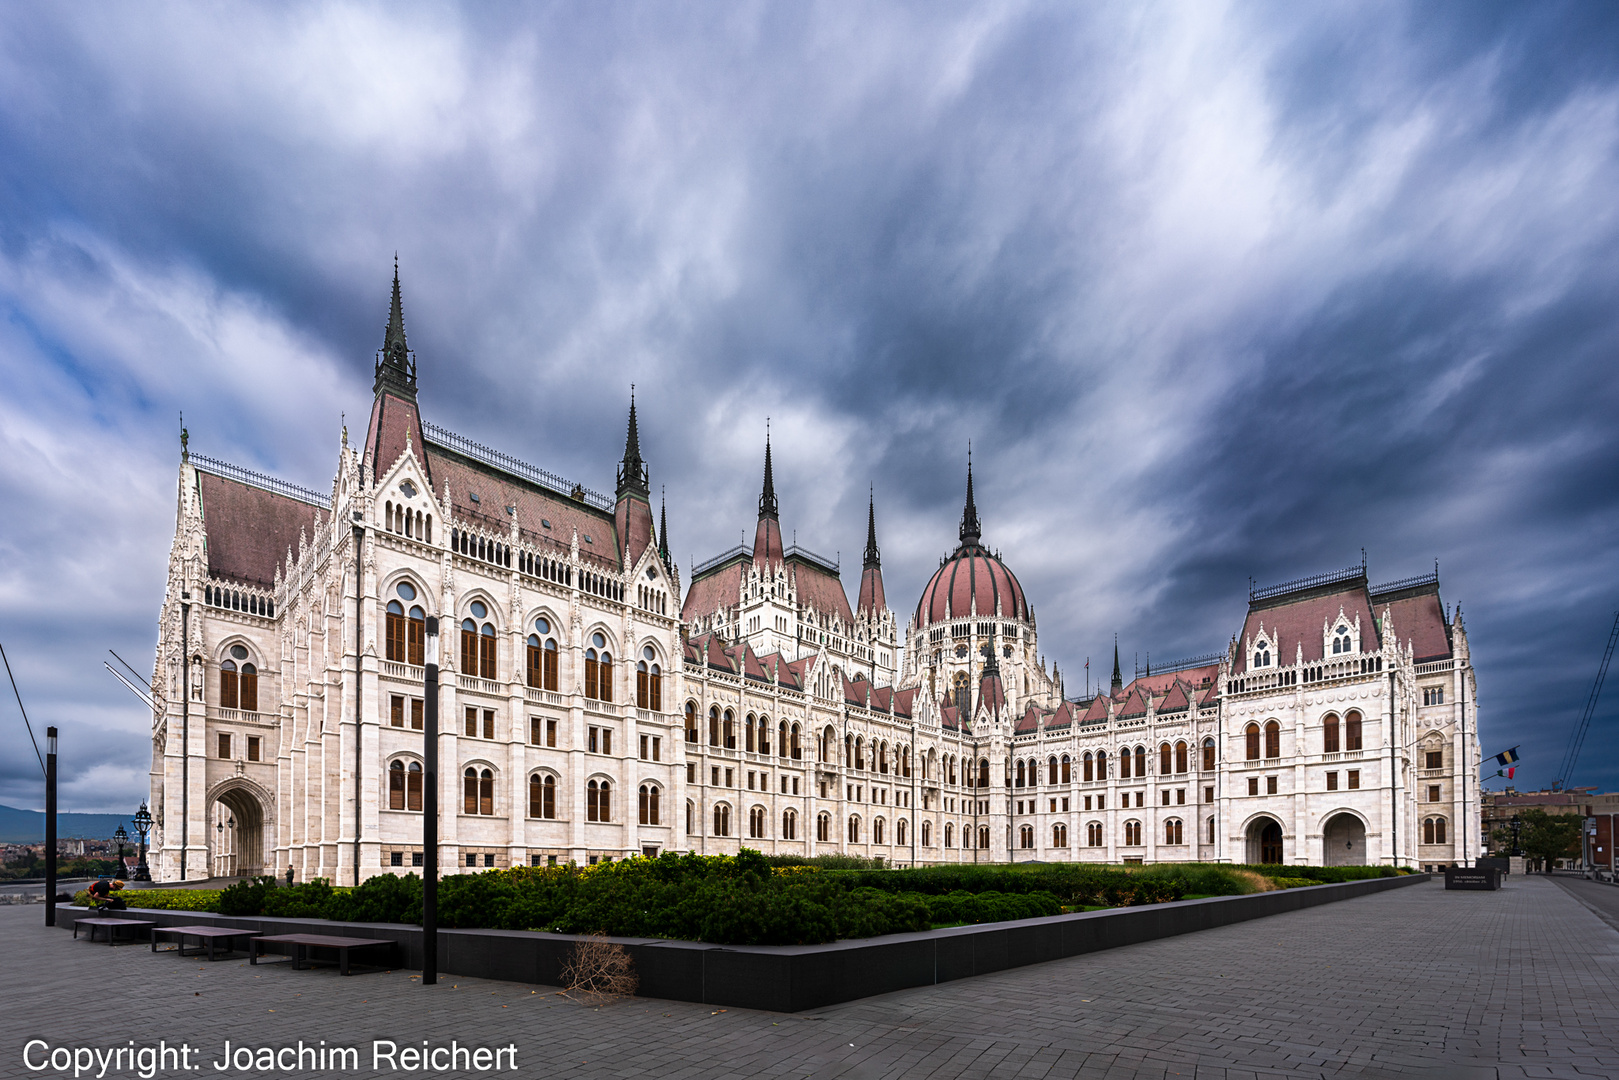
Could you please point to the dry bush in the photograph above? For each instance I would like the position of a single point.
(1257, 882)
(599, 972)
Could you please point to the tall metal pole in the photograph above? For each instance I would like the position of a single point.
(50, 826)
(430, 812)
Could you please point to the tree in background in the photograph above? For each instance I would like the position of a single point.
(1544, 837)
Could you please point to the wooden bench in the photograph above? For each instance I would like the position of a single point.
(205, 935)
(111, 925)
(302, 944)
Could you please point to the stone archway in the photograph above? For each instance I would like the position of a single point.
(236, 832)
(1264, 842)
(1343, 841)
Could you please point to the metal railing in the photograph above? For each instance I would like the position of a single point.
(460, 444)
(1430, 578)
(260, 481)
(1349, 573)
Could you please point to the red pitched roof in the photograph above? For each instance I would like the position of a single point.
(1175, 701)
(249, 529)
(632, 519)
(820, 590)
(1134, 703)
(534, 507)
(948, 718)
(767, 551)
(1420, 619)
(392, 418)
(991, 694)
(1291, 623)
(904, 701)
(713, 591)
(1029, 721)
(1097, 709)
(872, 598)
(1062, 717)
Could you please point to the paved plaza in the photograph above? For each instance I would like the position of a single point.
(1412, 982)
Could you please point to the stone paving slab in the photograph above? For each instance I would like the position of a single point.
(1417, 982)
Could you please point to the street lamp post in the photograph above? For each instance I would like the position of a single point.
(1517, 825)
(50, 826)
(120, 837)
(219, 849)
(430, 810)
(143, 825)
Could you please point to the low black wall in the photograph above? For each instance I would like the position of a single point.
(793, 978)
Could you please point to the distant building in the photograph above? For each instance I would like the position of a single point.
(590, 709)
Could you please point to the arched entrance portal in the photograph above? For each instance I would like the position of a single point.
(1265, 842)
(1343, 841)
(236, 834)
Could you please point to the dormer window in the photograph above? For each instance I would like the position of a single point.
(1340, 640)
(473, 495)
(1262, 654)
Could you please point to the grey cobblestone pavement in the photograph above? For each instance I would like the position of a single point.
(1413, 982)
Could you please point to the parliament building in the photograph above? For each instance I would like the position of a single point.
(593, 706)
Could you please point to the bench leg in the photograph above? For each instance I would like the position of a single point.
(342, 961)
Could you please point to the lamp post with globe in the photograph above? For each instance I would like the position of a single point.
(121, 838)
(143, 826)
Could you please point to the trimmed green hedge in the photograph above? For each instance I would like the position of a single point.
(161, 899)
(747, 899)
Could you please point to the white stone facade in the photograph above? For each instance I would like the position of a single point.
(769, 714)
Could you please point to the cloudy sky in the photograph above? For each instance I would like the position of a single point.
(1217, 292)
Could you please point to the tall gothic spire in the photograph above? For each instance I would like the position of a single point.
(874, 556)
(663, 526)
(767, 499)
(632, 471)
(970, 530)
(396, 368)
(1118, 676)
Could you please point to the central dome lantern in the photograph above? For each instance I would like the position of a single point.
(973, 581)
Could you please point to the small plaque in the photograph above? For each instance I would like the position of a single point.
(1482, 878)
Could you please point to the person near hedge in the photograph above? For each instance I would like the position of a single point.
(101, 894)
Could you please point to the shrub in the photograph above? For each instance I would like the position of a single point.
(245, 897)
(307, 901)
(384, 898)
(965, 907)
(163, 899)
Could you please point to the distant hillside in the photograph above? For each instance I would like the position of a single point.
(28, 826)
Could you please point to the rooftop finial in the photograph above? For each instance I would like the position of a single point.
(970, 529)
(874, 555)
(1118, 676)
(185, 440)
(632, 471)
(767, 498)
(395, 368)
(663, 526)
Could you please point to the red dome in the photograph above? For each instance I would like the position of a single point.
(971, 576)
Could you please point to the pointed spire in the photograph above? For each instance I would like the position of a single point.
(663, 526)
(396, 370)
(874, 556)
(970, 530)
(1118, 676)
(767, 499)
(632, 472)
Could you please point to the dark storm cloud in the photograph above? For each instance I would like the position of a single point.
(1217, 294)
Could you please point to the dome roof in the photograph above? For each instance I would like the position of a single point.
(972, 578)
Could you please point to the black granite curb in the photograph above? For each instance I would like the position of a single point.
(794, 978)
